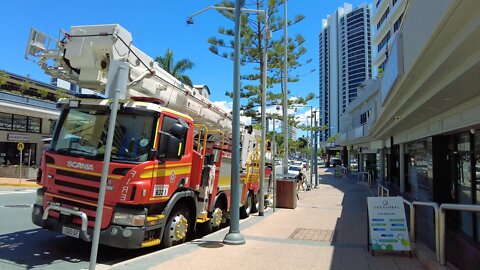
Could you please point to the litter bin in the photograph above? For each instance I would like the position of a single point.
(286, 193)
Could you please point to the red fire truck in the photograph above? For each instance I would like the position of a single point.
(170, 164)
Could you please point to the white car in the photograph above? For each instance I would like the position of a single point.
(293, 170)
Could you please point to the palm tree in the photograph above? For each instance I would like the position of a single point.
(175, 69)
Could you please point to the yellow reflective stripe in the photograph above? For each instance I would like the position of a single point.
(155, 217)
(74, 200)
(151, 242)
(159, 199)
(179, 149)
(165, 172)
(167, 166)
(155, 146)
(83, 172)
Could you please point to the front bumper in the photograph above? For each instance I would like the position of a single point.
(114, 235)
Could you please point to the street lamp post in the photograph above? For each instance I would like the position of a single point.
(315, 149)
(234, 237)
(313, 157)
(285, 92)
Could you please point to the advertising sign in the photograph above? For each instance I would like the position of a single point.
(387, 224)
(18, 137)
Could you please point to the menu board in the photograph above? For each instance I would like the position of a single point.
(387, 224)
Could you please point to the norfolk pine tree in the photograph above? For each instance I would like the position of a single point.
(252, 30)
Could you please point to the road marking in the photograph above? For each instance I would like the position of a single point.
(6, 192)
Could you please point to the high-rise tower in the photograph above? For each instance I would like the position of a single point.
(345, 61)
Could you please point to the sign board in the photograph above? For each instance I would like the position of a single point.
(18, 137)
(20, 146)
(387, 224)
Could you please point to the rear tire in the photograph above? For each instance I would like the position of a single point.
(255, 204)
(213, 224)
(177, 229)
(247, 207)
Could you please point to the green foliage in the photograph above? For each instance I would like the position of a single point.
(43, 93)
(380, 72)
(176, 69)
(332, 138)
(60, 93)
(252, 47)
(25, 85)
(3, 77)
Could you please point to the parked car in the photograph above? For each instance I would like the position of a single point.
(293, 170)
(335, 162)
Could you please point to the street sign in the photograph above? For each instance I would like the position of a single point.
(20, 146)
(387, 224)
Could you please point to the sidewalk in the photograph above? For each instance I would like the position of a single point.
(18, 182)
(327, 230)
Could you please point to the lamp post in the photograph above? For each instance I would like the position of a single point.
(313, 157)
(285, 92)
(234, 236)
(273, 151)
(315, 149)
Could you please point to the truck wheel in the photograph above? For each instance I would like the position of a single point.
(255, 205)
(246, 208)
(213, 224)
(176, 231)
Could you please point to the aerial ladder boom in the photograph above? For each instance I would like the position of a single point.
(83, 56)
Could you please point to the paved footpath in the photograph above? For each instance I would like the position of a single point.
(327, 230)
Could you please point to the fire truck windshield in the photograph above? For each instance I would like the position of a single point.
(83, 133)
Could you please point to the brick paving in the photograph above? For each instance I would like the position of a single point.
(327, 230)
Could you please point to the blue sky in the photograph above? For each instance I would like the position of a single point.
(155, 27)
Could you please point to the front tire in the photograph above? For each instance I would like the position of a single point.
(177, 228)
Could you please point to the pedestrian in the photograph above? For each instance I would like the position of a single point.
(300, 179)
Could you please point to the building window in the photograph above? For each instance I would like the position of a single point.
(34, 124)
(397, 24)
(5, 121)
(364, 117)
(384, 17)
(20, 123)
(383, 42)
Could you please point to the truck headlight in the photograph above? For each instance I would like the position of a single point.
(128, 219)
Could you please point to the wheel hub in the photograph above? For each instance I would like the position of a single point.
(179, 228)
(216, 217)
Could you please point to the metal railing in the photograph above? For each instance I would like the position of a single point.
(449, 206)
(412, 220)
(382, 191)
(361, 175)
(344, 170)
(437, 227)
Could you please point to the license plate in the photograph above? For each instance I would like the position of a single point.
(71, 232)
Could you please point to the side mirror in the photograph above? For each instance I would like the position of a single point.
(178, 131)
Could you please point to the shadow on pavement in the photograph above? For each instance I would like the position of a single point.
(351, 238)
(40, 248)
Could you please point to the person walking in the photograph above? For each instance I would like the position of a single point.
(300, 180)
